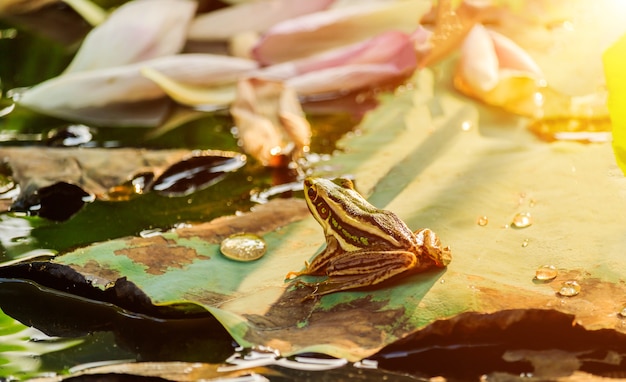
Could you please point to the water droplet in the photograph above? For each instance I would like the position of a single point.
(466, 125)
(243, 247)
(482, 221)
(622, 313)
(522, 220)
(546, 272)
(525, 243)
(531, 203)
(569, 288)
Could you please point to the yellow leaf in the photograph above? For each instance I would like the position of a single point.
(614, 60)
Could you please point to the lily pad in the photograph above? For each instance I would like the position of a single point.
(438, 162)
(56, 182)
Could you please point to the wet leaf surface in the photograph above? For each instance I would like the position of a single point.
(444, 178)
(55, 183)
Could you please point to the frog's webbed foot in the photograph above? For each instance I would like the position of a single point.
(431, 247)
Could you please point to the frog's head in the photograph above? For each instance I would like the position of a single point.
(326, 197)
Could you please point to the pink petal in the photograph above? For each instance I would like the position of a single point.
(365, 64)
(479, 64)
(256, 16)
(512, 56)
(138, 30)
(322, 31)
(343, 79)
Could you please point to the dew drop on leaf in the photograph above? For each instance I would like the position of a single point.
(522, 220)
(569, 288)
(243, 247)
(546, 272)
(482, 221)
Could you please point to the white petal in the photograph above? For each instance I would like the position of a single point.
(512, 56)
(256, 16)
(479, 64)
(123, 84)
(138, 30)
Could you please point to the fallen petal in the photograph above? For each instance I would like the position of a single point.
(322, 31)
(512, 56)
(256, 16)
(335, 81)
(270, 122)
(137, 31)
(68, 96)
(479, 64)
(392, 46)
(380, 59)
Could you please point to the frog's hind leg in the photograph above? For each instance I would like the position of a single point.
(360, 269)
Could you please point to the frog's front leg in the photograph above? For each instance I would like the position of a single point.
(358, 269)
(317, 266)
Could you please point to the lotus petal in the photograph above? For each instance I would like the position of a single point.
(270, 121)
(365, 64)
(256, 16)
(340, 80)
(78, 95)
(479, 64)
(512, 56)
(137, 31)
(387, 47)
(322, 31)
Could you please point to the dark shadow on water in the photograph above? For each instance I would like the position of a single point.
(145, 338)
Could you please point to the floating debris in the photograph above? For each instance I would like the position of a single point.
(525, 243)
(522, 220)
(546, 273)
(622, 313)
(482, 221)
(569, 288)
(243, 247)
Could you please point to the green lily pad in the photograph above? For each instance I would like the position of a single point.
(438, 162)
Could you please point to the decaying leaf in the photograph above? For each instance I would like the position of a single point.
(64, 178)
(170, 371)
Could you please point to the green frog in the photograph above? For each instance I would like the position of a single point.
(365, 245)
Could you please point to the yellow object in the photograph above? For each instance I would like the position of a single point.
(614, 60)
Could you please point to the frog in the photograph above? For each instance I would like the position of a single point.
(365, 245)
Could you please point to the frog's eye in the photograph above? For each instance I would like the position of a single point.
(312, 194)
(322, 210)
